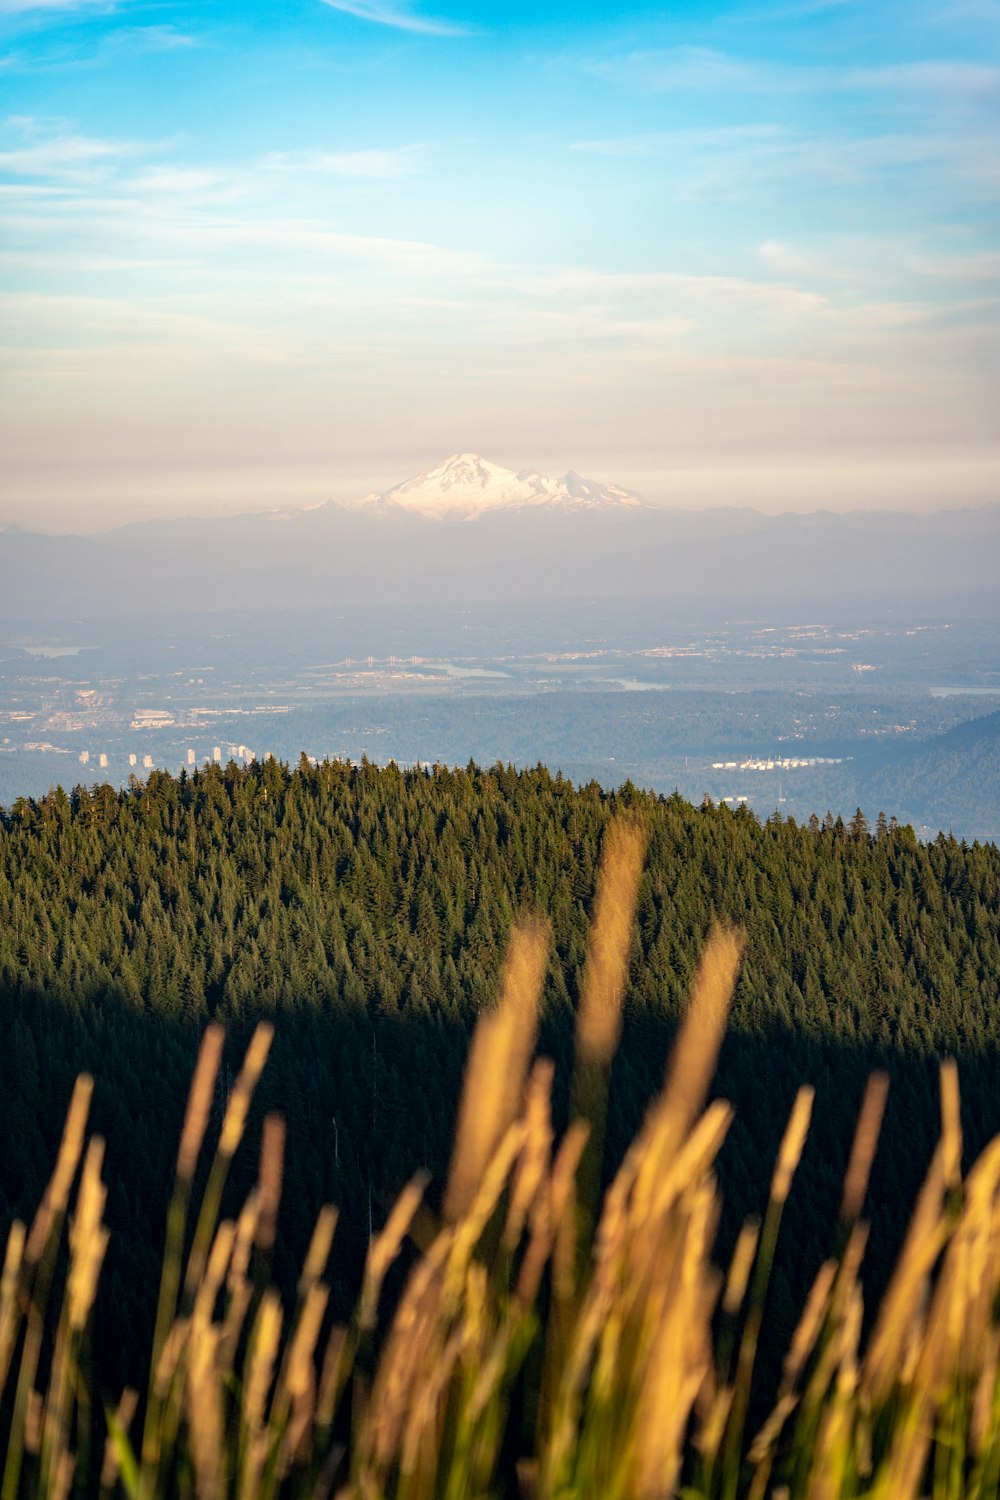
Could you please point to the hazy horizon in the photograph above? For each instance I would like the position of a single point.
(735, 254)
(773, 489)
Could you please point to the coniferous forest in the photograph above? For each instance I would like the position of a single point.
(365, 911)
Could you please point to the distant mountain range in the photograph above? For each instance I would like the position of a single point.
(466, 486)
(469, 531)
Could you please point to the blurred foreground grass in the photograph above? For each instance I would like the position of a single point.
(545, 1342)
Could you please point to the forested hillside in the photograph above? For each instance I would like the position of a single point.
(952, 777)
(366, 911)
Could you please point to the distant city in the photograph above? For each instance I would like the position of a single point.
(798, 717)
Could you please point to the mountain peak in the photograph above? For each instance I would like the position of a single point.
(460, 471)
(467, 485)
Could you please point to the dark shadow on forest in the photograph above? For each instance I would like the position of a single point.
(370, 1097)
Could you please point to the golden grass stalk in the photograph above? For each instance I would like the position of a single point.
(738, 1276)
(803, 1343)
(88, 1240)
(641, 1334)
(297, 1385)
(192, 1135)
(34, 1281)
(199, 1101)
(680, 1357)
(53, 1204)
(259, 1373)
(238, 1285)
(599, 1015)
(272, 1158)
(900, 1310)
(205, 1426)
(599, 1018)
(549, 1212)
(233, 1124)
(534, 1160)
(164, 1403)
(386, 1246)
(864, 1146)
(498, 1063)
(10, 1301)
(696, 1051)
(789, 1155)
(792, 1142)
(117, 1449)
(951, 1127)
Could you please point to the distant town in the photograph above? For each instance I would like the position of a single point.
(789, 716)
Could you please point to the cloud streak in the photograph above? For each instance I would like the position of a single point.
(373, 163)
(70, 158)
(706, 70)
(21, 7)
(400, 18)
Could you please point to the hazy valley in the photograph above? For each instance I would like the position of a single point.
(506, 537)
(897, 715)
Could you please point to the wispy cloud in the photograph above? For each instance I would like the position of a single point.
(655, 143)
(700, 68)
(795, 10)
(402, 18)
(174, 180)
(948, 12)
(931, 76)
(790, 260)
(375, 163)
(591, 285)
(19, 7)
(732, 164)
(851, 266)
(52, 149)
(92, 47)
(149, 39)
(704, 69)
(70, 158)
(984, 266)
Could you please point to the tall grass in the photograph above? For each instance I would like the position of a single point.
(632, 1354)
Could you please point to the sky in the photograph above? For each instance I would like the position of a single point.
(269, 254)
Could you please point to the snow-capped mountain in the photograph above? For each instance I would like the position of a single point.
(466, 486)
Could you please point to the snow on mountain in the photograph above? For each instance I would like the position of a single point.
(466, 486)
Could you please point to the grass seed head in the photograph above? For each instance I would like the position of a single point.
(498, 1062)
(199, 1103)
(696, 1051)
(792, 1143)
(611, 935)
(864, 1146)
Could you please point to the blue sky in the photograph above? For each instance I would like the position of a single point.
(735, 253)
